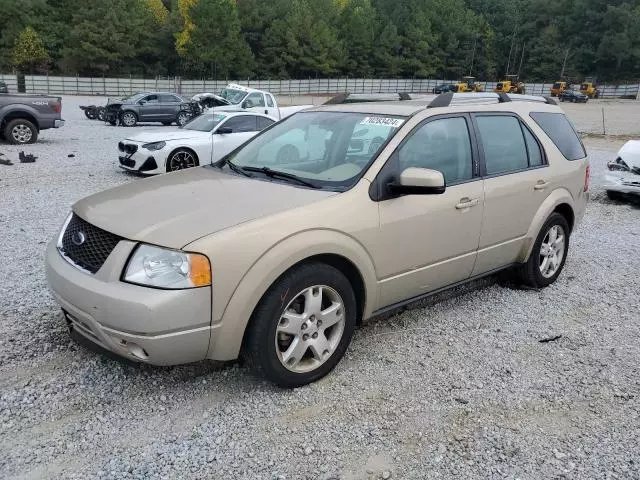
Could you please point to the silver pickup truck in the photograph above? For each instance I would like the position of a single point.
(23, 116)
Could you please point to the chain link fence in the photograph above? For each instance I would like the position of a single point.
(120, 86)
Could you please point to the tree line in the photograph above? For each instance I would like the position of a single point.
(539, 39)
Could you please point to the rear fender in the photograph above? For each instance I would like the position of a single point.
(557, 197)
(18, 109)
(227, 335)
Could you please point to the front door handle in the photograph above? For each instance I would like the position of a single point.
(466, 203)
(541, 185)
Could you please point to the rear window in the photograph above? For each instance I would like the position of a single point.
(561, 132)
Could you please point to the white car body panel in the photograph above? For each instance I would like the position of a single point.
(627, 182)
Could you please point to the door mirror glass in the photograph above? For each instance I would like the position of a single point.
(419, 181)
(224, 130)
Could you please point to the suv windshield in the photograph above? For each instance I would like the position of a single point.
(329, 149)
(204, 123)
(232, 95)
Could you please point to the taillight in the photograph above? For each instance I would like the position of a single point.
(587, 178)
(57, 106)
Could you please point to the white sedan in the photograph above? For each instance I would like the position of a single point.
(623, 176)
(205, 139)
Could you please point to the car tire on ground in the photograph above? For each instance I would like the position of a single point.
(20, 132)
(182, 118)
(302, 326)
(100, 113)
(548, 255)
(180, 159)
(128, 119)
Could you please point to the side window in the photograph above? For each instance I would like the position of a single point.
(242, 123)
(442, 145)
(561, 133)
(264, 122)
(503, 144)
(255, 99)
(270, 101)
(151, 99)
(168, 99)
(535, 155)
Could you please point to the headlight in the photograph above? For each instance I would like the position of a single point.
(154, 145)
(171, 269)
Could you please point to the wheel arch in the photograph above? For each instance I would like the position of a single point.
(560, 201)
(17, 113)
(330, 247)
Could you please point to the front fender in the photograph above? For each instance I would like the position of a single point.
(555, 198)
(227, 335)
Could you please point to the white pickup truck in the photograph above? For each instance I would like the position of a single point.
(236, 97)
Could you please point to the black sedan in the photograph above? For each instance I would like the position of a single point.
(444, 88)
(573, 96)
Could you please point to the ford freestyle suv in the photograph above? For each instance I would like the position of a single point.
(279, 260)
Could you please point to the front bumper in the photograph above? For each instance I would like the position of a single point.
(58, 123)
(160, 327)
(143, 161)
(628, 183)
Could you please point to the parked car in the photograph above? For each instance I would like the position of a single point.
(241, 98)
(22, 117)
(205, 139)
(163, 107)
(573, 96)
(281, 264)
(623, 177)
(4, 88)
(444, 88)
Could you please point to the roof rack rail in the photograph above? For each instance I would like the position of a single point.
(451, 98)
(347, 97)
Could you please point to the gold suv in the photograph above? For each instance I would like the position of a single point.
(327, 218)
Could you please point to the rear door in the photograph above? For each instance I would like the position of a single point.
(243, 127)
(272, 109)
(168, 107)
(516, 181)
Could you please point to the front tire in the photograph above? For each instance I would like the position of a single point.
(549, 253)
(181, 159)
(20, 132)
(128, 119)
(302, 326)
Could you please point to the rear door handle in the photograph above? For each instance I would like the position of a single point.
(541, 185)
(466, 203)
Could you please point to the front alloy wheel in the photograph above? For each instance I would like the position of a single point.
(129, 119)
(181, 159)
(552, 251)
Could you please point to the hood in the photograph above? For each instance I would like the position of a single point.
(630, 153)
(175, 209)
(210, 96)
(164, 135)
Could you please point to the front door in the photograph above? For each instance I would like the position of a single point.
(430, 241)
(149, 108)
(255, 102)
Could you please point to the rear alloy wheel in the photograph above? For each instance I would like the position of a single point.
(181, 159)
(549, 253)
(20, 132)
(129, 119)
(302, 326)
(182, 118)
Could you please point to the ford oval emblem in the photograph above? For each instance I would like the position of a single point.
(78, 238)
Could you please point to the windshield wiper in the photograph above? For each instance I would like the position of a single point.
(233, 167)
(276, 173)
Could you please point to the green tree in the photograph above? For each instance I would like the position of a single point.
(358, 24)
(29, 53)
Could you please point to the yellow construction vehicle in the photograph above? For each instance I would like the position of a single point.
(558, 88)
(468, 84)
(590, 89)
(510, 85)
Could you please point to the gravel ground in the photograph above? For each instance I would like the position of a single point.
(457, 387)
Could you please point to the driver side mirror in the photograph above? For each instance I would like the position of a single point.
(142, 102)
(418, 181)
(224, 130)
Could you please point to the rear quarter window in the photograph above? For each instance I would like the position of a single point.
(562, 134)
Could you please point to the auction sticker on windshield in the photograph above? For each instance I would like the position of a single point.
(387, 121)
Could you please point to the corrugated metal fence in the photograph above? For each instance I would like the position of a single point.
(129, 85)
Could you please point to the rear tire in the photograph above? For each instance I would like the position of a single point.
(276, 345)
(182, 118)
(100, 113)
(548, 255)
(20, 132)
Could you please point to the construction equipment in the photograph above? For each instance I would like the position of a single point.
(590, 89)
(468, 84)
(511, 84)
(559, 87)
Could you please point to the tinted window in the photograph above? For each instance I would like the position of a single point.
(242, 123)
(255, 100)
(442, 145)
(535, 155)
(561, 132)
(264, 122)
(270, 101)
(151, 99)
(503, 144)
(169, 99)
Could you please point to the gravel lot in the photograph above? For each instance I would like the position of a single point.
(458, 387)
